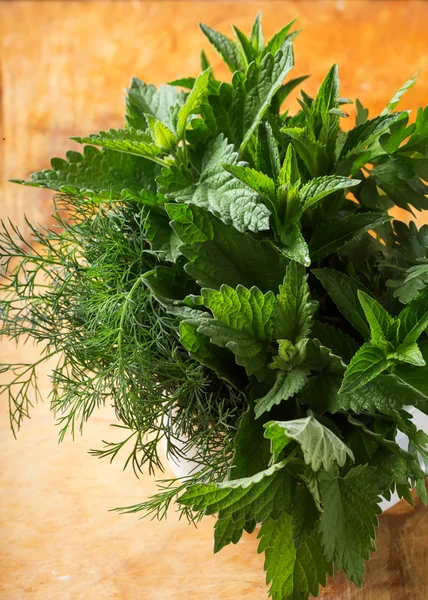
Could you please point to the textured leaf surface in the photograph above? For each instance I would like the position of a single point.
(343, 291)
(225, 47)
(130, 140)
(242, 323)
(305, 515)
(265, 82)
(320, 187)
(220, 254)
(320, 446)
(294, 307)
(145, 99)
(367, 364)
(349, 519)
(193, 102)
(285, 387)
(336, 340)
(220, 192)
(105, 172)
(382, 326)
(292, 574)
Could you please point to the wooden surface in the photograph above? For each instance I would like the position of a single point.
(63, 69)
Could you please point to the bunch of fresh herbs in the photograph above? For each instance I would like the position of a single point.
(227, 274)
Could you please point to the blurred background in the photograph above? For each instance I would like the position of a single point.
(63, 69)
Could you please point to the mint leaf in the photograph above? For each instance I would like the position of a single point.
(193, 102)
(162, 136)
(350, 505)
(286, 385)
(256, 37)
(383, 327)
(145, 99)
(242, 323)
(293, 574)
(258, 497)
(418, 141)
(414, 318)
(280, 38)
(208, 242)
(105, 172)
(392, 104)
(220, 192)
(129, 140)
(225, 47)
(264, 82)
(295, 247)
(305, 514)
(340, 343)
(344, 292)
(330, 237)
(252, 453)
(294, 308)
(366, 364)
(320, 446)
(320, 187)
(408, 352)
(259, 182)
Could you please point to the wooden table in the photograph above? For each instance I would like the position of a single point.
(63, 68)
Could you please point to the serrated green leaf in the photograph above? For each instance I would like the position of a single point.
(414, 318)
(294, 308)
(256, 37)
(193, 102)
(252, 452)
(408, 352)
(259, 182)
(225, 47)
(292, 574)
(320, 446)
(278, 40)
(265, 82)
(304, 516)
(129, 140)
(242, 323)
(164, 242)
(402, 179)
(104, 172)
(367, 363)
(162, 136)
(329, 237)
(362, 113)
(418, 141)
(383, 327)
(245, 47)
(286, 385)
(361, 138)
(320, 187)
(220, 192)
(145, 99)
(343, 291)
(208, 243)
(295, 247)
(259, 497)
(392, 104)
(210, 355)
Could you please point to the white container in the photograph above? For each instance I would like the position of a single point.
(182, 467)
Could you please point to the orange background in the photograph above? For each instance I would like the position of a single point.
(63, 68)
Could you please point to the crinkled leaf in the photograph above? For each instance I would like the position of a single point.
(320, 446)
(220, 192)
(294, 308)
(365, 365)
(286, 385)
(129, 140)
(259, 182)
(242, 323)
(145, 99)
(208, 244)
(349, 519)
(292, 574)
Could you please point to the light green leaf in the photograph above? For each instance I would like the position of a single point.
(193, 102)
(210, 355)
(414, 318)
(294, 308)
(220, 192)
(366, 364)
(258, 497)
(287, 384)
(320, 187)
(331, 236)
(208, 243)
(245, 48)
(320, 446)
(259, 182)
(383, 327)
(265, 82)
(145, 99)
(343, 291)
(162, 136)
(349, 519)
(399, 93)
(225, 47)
(290, 173)
(295, 247)
(280, 38)
(242, 323)
(129, 140)
(104, 172)
(292, 574)
(362, 137)
(408, 352)
(256, 37)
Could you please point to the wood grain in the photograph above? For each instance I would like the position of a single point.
(63, 66)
